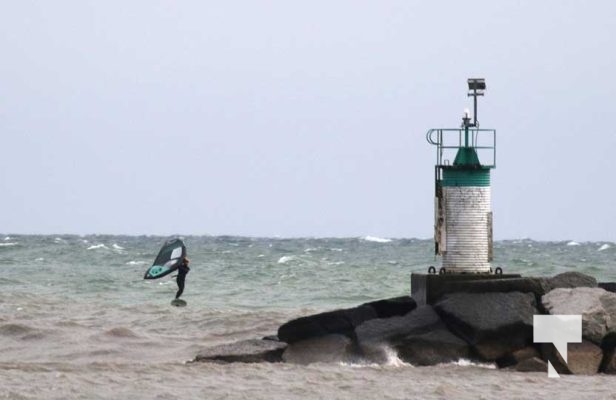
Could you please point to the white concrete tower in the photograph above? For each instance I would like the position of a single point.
(463, 214)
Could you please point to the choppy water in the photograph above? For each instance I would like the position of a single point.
(78, 321)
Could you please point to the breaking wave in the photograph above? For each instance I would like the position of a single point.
(468, 363)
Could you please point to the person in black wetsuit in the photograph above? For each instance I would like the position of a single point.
(182, 271)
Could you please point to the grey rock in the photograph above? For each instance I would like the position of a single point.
(377, 336)
(609, 363)
(518, 356)
(582, 358)
(495, 324)
(247, 351)
(324, 349)
(533, 364)
(431, 348)
(341, 322)
(396, 306)
(571, 280)
(388, 330)
(609, 286)
(597, 307)
(525, 353)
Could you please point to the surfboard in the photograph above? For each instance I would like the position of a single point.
(178, 303)
(168, 260)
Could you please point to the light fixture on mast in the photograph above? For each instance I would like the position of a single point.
(476, 86)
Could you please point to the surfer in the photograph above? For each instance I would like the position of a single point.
(182, 271)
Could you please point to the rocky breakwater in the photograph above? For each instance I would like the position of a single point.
(483, 321)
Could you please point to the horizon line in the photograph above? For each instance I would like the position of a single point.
(280, 237)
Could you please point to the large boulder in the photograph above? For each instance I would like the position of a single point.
(388, 330)
(341, 322)
(324, 349)
(597, 307)
(609, 286)
(517, 357)
(609, 363)
(246, 351)
(533, 364)
(376, 336)
(396, 306)
(431, 348)
(525, 354)
(495, 324)
(582, 358)
(572, 279)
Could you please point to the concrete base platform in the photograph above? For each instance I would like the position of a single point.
(428, 288)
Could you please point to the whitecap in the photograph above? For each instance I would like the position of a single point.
(604, 247)
(97, 246)
(117, 247)
(573, 243)
(58, 240)
(136, 263)
(8, 244)
(376, 239)
(40, 259)
(7, 238)
(336, 263)
(261, 256)
(286, 259)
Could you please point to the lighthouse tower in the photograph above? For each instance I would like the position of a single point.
(463, 213)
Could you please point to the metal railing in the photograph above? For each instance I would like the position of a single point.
(482, 140)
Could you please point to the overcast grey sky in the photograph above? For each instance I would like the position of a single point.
(293, 118)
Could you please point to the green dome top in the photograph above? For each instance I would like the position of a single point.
(466, 156)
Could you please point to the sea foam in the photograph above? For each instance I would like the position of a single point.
(286, 259)
(604, 247)
(376, 239)
(468, 363)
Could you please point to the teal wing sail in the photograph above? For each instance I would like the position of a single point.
(168, 260)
